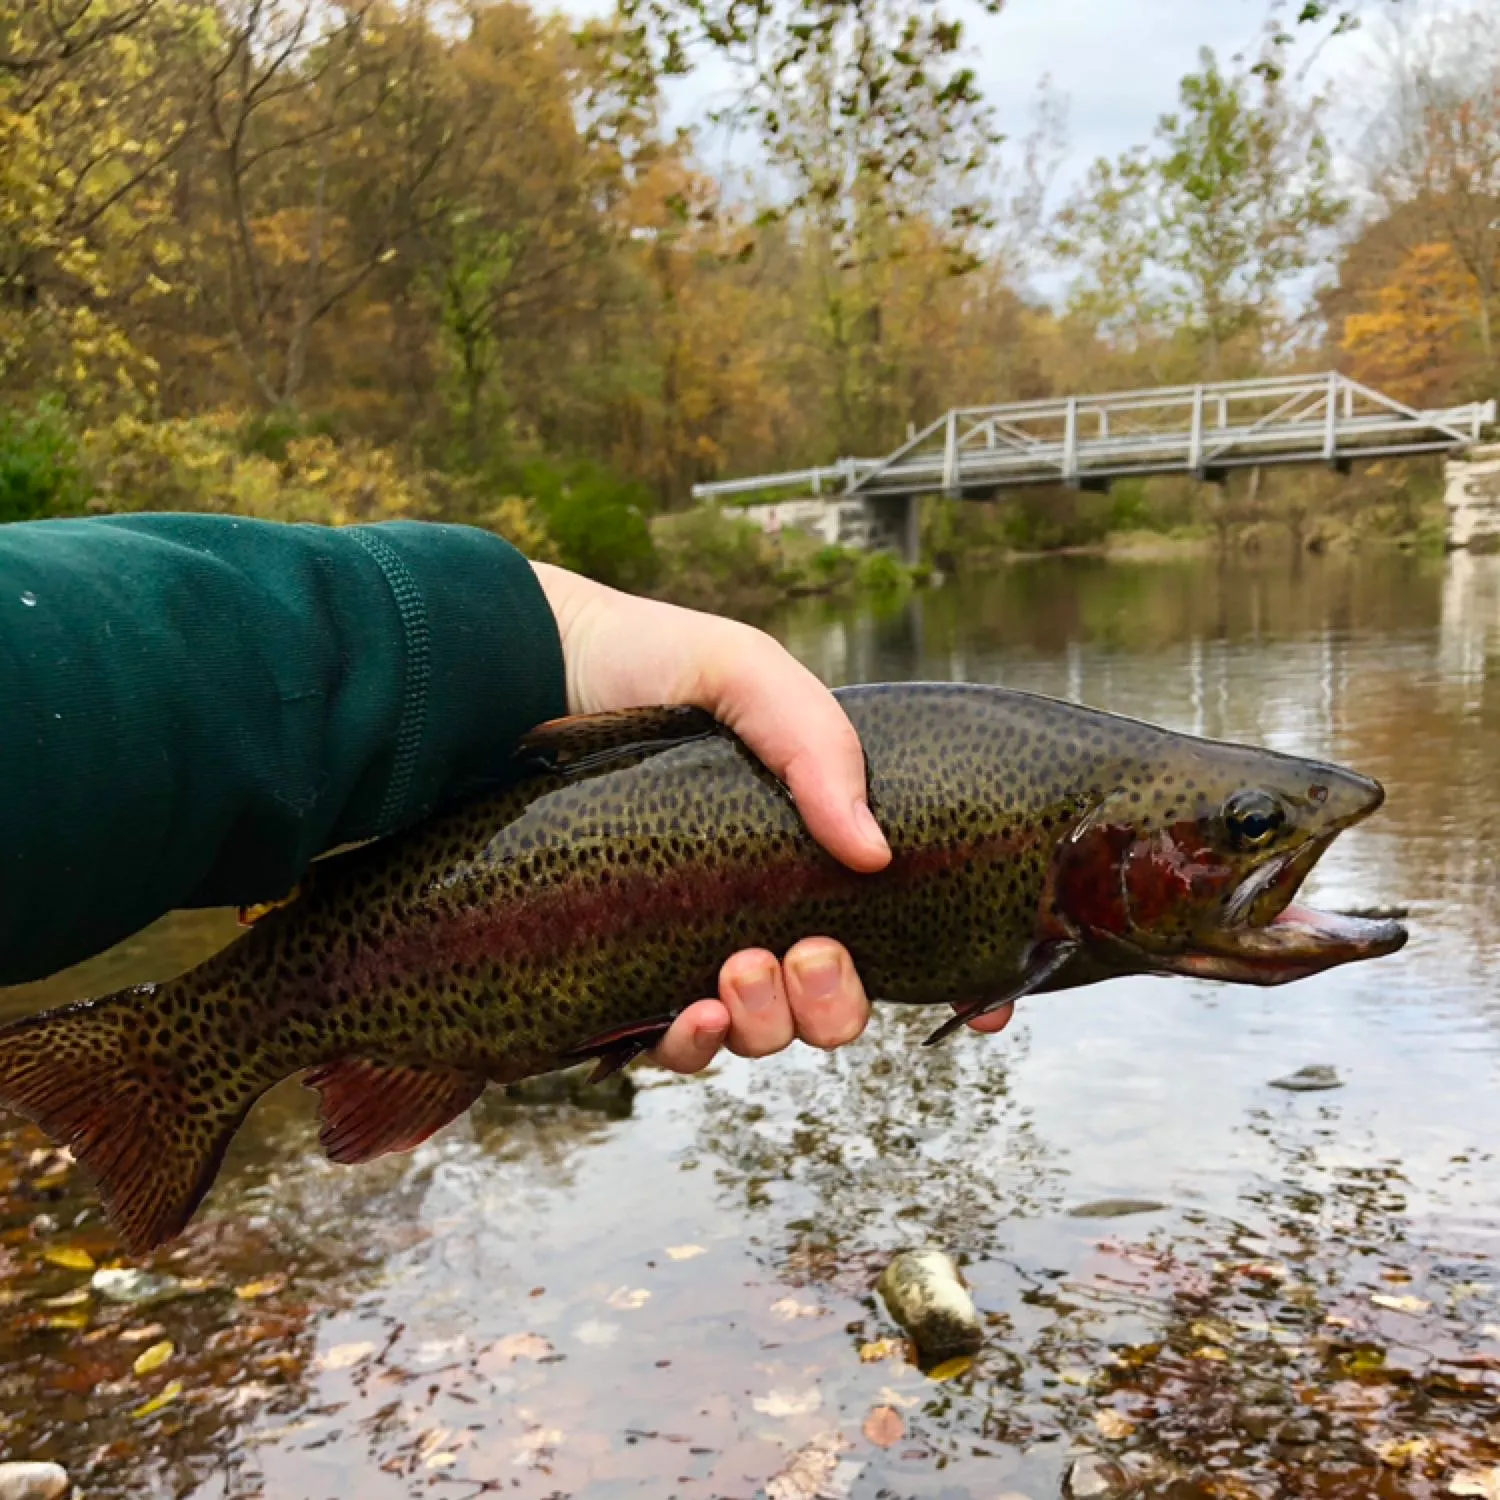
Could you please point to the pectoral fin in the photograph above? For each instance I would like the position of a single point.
(1046, 960)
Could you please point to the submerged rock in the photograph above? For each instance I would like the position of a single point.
(1093, 1477)
(1115, 1208)
(925, 1294)
(1309, 1080)
(611, 1096)
(32, 1481)
(136, 1288)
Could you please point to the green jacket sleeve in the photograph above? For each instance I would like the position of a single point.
(192, 708)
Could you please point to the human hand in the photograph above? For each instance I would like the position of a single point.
(621, 651)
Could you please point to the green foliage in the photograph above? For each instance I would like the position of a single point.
(597, 520)
(41, 472)
(882, 573)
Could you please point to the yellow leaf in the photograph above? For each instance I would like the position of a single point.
(266, 1287)
(1113, 1425)
(950, 1368)
(685, 1252)
(164, 1397)
(76, 1298)
(70, 1321)
(70, 1258)
(880, 1349)
(154, 1357)
(1209, 1352)
(342, 1356)
(1399, 1304)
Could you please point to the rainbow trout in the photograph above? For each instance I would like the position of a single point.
(1037, 846)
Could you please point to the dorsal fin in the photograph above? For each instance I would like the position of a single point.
(575, 746)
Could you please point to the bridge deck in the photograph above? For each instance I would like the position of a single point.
(1087, 441)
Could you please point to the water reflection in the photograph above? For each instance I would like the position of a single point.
(552, 1302)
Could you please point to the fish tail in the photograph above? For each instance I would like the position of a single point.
(131, 1086)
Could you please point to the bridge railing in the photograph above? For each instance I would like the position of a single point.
(1086, 441)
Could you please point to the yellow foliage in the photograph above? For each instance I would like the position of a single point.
(517, 520)
(197, 464)
(1411, 335)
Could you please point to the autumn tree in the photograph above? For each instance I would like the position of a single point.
(95, 106)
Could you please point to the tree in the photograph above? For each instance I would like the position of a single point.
(1207, 229)
(1436, 151)
(95, 107)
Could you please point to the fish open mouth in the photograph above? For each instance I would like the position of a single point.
(1266, 937)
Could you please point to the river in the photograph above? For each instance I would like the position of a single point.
(1269, 1293)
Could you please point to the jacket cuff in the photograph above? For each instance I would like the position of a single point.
(483, 662)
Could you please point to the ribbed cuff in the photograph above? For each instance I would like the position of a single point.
(483, 660)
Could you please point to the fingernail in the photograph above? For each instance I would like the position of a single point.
(710, 1038)
(820, 976)
(758, 993)
(868, 827)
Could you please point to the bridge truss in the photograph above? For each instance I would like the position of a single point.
(1086, 442)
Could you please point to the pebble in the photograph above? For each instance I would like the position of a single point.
(925, 1294)
(134, 1288)
(1095, 1478)
(1309, 1080)
(29, 1481)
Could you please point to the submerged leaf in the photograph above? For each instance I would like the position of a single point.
(950, 1369)
(789, 1403)
(685, 1252)
(884, 1427)
(69, 1257)
(1114, 1426)
(880, 1349)
(267, 1286)
(164, 1397)
(342, 1356)
(154, 1357)
(1400, 1304)
(1482, 1482)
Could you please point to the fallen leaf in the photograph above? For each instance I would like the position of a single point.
(154, 1357)
(950, 1369)
(596, 1333)
(893, 1397)
(1211, 1352)
(69, 1257)
(812, 1472)
(1399, 1304)
(790, 1309)
(164, 1397)
(1482, 1482)
(342, 1356)
(884, 1427)
(685, 1252)
(68, 1321)
(789, 1403)
(1114, 1426)
(1399, 1453)
(880, 1349)
(140, 1335)
(624, 1299)
(267, 1286)
(76, 1298)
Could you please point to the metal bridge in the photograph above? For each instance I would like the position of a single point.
(1085, 442)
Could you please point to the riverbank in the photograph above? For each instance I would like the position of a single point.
(586, 517)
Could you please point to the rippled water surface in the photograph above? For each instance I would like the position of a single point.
(671, 1295)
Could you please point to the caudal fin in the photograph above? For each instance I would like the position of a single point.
(145, 1112)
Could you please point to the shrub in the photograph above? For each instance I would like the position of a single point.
(41, 469)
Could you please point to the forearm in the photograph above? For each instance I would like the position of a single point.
(197, 706)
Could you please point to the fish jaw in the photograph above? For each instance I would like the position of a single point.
(1268, 938)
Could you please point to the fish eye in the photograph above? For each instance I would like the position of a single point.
(1253, 818)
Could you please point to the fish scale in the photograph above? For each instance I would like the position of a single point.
(574, 912)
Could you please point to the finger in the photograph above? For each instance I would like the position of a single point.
(996, 1021)
(752, 989)
(796, 726)
(828, 1001)
(694, 1038)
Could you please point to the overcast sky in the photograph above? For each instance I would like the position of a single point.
(1116, 62)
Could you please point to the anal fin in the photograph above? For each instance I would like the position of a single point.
(370, 1109)
(1046, 960)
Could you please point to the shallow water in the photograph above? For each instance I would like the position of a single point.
(674, 1300)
